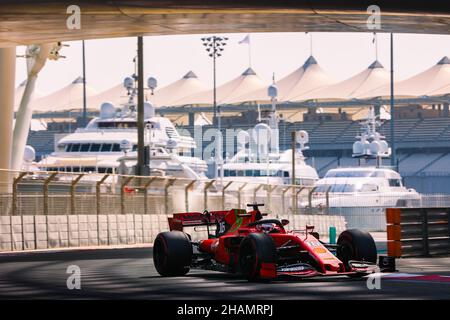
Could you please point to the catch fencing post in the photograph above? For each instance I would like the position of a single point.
(327, 200)
(239, 194)
(269, 190)
(122, 203)
(223, 193)
(300, 189)
(72, 192)
(97, 192)
(294, 201)
(16, 182)
(146, 186)
(166, 195)
(122, 193)
(310, 198)
(14, 210)
(283, 193)
(72, 204)
(45, 190)
(186, 194)
(97, 200)
(255, 191)
(205, 193)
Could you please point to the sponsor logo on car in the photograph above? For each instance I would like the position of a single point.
(294, 268)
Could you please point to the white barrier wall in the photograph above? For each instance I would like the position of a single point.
(62, 231)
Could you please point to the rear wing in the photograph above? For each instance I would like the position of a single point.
(194, 219)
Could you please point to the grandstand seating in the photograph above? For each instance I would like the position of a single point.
(439, 166)
(402, 128)
(328, 131)
(348, 136)
(445, 135)
(428, 129)
(42, 141)
(416, 162)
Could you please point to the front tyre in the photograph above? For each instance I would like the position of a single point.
(172, 253)
(255, 250)
(358, 245)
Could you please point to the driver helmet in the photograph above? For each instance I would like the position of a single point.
(266, 227)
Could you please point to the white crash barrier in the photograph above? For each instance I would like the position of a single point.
(31, 232)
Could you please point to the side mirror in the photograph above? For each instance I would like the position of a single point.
(284, 222)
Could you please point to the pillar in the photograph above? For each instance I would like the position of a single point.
(7, 89)
(377, 110)
(36, 58)
(446, 109)
(191, 118)
(22, 127)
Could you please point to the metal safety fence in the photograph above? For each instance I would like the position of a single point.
(40, 210)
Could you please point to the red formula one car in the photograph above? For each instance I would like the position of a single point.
(244, 242)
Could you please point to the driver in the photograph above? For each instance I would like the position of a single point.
(266, 227)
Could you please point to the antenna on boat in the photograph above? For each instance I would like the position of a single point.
(130, 84)
(302, 138)
(371, 144)
(272, 92)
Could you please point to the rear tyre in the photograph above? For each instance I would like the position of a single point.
(254, 250)
(172, 253)
(355, 244)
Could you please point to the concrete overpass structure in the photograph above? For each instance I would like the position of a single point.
(38, 21)
(26, 22)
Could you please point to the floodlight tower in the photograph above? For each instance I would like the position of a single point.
(214, 46)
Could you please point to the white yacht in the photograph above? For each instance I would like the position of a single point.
(108, 144)
(259, 159)
(364, 187)
(248, 165)
(362, 193)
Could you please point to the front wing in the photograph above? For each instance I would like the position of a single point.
(304, 270)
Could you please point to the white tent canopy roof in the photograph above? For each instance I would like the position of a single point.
(67, 98)
(306, 79)
(228, 92)
(443, 86)
(357, 87)
(433, 81)
(307, 82)
(188, 85)
(116, 95)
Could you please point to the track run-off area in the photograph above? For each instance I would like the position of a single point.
(128, 273)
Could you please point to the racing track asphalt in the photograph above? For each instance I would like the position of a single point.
(129, 274)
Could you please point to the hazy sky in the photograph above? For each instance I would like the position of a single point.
(169, 57)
